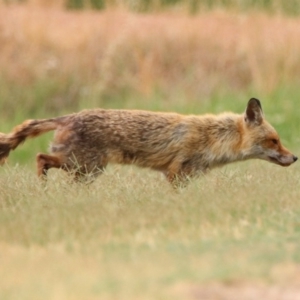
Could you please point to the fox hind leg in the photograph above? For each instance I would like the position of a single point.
(81, 173)
(45, 162)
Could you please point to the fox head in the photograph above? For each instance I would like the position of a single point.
(260, 139)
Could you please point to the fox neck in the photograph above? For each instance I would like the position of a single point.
(226, 141)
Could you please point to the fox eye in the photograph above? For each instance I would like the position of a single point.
(274, 141)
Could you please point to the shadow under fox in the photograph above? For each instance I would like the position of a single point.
(179, 146)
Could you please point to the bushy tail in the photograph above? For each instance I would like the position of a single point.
(29, 128)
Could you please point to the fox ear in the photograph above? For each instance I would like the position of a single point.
(254, 114)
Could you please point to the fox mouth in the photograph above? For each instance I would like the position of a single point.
(278, 162)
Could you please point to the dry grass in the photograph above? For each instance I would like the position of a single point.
(130, 236)
(61, 59)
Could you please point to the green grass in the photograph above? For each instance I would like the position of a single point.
(290, 7)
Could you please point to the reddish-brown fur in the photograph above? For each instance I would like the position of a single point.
(177, 145)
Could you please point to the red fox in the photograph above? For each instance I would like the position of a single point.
(179, 146)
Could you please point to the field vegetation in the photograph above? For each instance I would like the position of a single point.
(232, 234)
(55, 60)
(290, 7)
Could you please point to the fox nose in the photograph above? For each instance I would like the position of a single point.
(295, 158)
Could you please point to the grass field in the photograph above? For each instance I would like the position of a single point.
(130, 236)
(232, 234)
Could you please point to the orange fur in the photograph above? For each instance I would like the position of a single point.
(179, 146)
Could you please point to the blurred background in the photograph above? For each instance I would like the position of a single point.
(59, 56)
